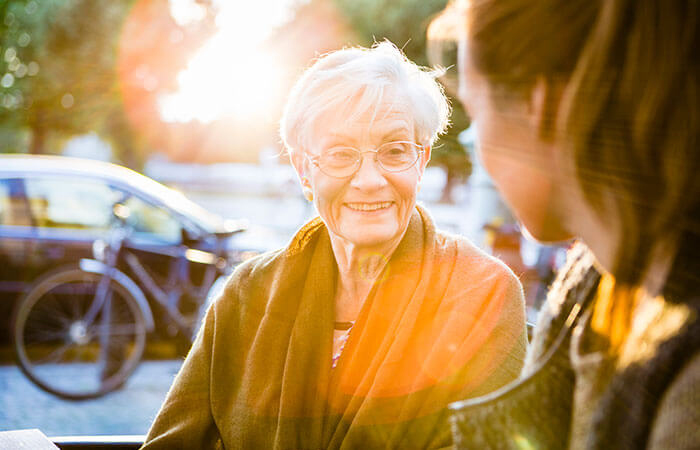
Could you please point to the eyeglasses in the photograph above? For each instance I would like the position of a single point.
(341, 161)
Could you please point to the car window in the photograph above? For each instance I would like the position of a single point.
(152, 222)
(68, 203)
(14, 208)
(57, 202)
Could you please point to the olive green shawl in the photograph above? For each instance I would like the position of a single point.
(444, 322)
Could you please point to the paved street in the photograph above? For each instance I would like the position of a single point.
(127, 411)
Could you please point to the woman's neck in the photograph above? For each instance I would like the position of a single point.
(358, 269)
(604, 240)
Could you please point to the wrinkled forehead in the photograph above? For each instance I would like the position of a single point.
(357, 121)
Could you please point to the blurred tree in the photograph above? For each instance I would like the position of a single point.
(23, 29)
(59, 72)
(79, 88)
(404, 22)
(58, 65)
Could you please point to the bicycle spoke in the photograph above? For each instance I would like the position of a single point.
(52, 311)
(55, 355)
(45, 336)
(115, 330)
(44, 331)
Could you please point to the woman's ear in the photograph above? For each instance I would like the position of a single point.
(301, 166)
(543, 106)
(423, 161)
(425, 157)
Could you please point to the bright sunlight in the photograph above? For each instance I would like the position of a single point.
(232, 74)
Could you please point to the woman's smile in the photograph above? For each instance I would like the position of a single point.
(369, 208)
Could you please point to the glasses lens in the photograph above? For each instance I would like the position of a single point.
(339, 161)
(397, 156)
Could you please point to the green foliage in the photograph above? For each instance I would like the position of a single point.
(23, 29)
(401, 21)
(57, 70)
(81, 67)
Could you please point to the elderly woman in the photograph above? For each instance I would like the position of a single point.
(588, 118)
(361, 331)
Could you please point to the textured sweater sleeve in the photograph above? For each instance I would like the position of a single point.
(185, 420)
(677, 422)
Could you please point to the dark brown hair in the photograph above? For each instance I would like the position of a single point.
(629, 114)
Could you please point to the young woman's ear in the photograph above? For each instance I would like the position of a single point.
(543, 106)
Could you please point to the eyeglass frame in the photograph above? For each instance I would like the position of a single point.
(421, 150)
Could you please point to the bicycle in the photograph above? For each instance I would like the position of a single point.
(80, 331)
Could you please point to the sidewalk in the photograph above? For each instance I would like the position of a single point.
(127, 411)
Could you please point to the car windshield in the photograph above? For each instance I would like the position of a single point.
(177, 201)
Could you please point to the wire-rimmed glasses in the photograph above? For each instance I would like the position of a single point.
(343, 161)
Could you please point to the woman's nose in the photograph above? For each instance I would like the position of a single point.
(369, 175)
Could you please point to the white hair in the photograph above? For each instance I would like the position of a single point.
(352, 81)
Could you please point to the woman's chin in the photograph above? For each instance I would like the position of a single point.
(546, 234)
(376, 235)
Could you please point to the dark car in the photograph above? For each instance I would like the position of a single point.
(53, 209)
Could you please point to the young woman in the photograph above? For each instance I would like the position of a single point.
(588, 114)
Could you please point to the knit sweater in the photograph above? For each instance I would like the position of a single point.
(569, 396)
(676, 422)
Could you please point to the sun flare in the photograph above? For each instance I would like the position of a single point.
(232, 75)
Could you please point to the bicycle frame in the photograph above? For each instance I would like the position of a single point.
(100, 268)
(161, 296)
(168, 299)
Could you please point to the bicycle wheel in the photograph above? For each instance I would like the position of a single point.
(65, 353)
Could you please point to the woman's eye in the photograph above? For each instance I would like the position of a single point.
(340, 155)
(395, 151)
